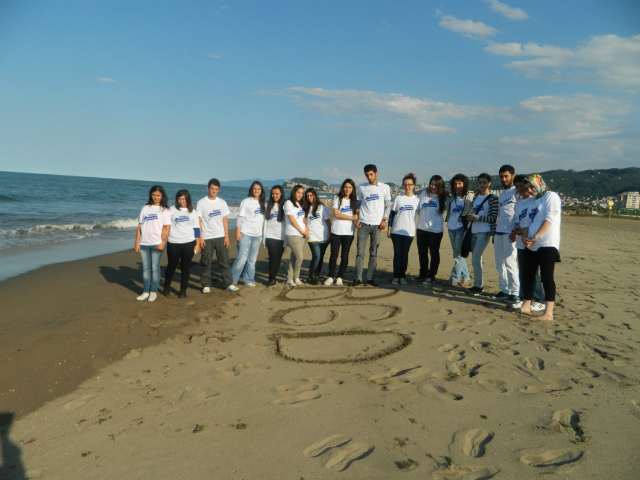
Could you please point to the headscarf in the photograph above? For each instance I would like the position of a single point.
(536, 181)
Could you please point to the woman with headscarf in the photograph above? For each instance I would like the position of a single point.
(542, 244)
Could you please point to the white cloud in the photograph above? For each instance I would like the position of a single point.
(335, 173)
(607, 60)
(106, 80)
(215, 55)
(385, 26)
(509, 12)
(468, 28)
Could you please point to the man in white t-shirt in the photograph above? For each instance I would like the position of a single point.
(505, 251)
(374, 205)
(214, 236)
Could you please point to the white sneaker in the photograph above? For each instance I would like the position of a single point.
(538, 307)
(428, 281)
(403, 281)
(329, 281)
(395, 281)
(291, 283)
(144, 296)
(297, 281)
(518, 304)
(338, 281)
(249, 284)
(206, 290)
(232, 288)
(152, 297)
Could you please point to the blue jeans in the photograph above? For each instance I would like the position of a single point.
(479, 242)
(150, 267)
(460, 264)
(318, 250)
(245, 262)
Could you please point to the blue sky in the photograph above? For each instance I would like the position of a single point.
(186, 90)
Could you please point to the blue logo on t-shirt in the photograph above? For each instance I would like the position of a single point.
(523, 215)
(215, 213)
(257, 211)
(314, 217)
(477, 208)
(406, 207)
(372, 197)
(533, 213)
(345, 210)
(183, 218)
(508, 201)
(300, 213)
(433, 203)
(151, 216)
(457, 209)
(274, 214)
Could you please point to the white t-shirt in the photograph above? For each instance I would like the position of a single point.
(252, 218)
(404, 221)
(523, 207)
(430, 220)
(318, 228)
(340, 226)
(457, 205)
(212, 213)
(298, 215)
(182, 225)
(507, 215)
(550, 209)
(480, 227)
(274, 228)
(152, 220)
(372, 200)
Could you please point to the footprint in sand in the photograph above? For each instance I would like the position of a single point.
(496, 386)
(196, 396)
(135, 353)
(552, 457)
(456, 355)
(318, 448)
(543, 388)
(532, 363)
(579, 368)
(232, 371)
(397, 377)
(566, 421)
(430, 389)
(297, 398)
(344, 457)
(297, 388)
(447, 347)
(324, 380)
(475, 441)
(465, 472)
(517, 369)
(74, 404)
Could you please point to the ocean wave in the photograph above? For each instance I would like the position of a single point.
(5, 198)
(47, 229)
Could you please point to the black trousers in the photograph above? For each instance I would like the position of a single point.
(181, 253)
(275, 248)
(545, 258)
(428, 243)
(401, 246)
(338, 242)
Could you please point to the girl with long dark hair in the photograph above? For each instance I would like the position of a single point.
(345, 215)
(274, 225)
(154, 224)
(182, 244)
(402, 227)
(432, 204)
(319, 223)
(249, 235)
(295, 210)
(458, 206)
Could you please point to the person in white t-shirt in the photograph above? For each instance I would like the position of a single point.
(542, 245)
(458, 206)
(154, 224)
(431, 207)
(505, 251)
(345, 215)
(182, 244)
(319, 223)
(373, 213)
(214, 237)
(274, 225)
(249, 226)
(295, 210)
(402, 227)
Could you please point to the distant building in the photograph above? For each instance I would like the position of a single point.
(630, 200)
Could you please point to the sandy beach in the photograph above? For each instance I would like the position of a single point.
(324, 382)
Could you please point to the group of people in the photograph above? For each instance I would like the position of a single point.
(523, 223)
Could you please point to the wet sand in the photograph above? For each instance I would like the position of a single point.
(359, 383)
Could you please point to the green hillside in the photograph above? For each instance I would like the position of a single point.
(308, 181)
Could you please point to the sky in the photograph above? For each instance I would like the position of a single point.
(185, 90)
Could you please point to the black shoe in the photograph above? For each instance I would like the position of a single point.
(511, 299)
(356, 282)
(372, 283)
(313, 279)
(271, 283)
(475, 291)
(183, 294)
(166, 291)
(500, 296)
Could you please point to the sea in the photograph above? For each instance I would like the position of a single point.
(46, 219)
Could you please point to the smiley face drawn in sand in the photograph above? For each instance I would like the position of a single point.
(322, 314)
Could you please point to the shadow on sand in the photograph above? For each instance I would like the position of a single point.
(11, 467)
